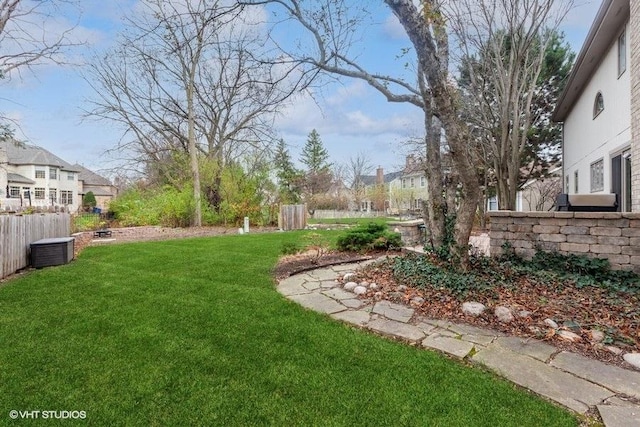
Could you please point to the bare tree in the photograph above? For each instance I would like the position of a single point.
(186, 77)
(334, 27)
(356, 168)
(504, 44)
(28, 40)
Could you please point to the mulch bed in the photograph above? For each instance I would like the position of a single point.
(583, 309)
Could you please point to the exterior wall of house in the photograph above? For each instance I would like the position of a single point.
(64, 185)
(634, 63)
(611, 235)
(408, 192)
(588, 139)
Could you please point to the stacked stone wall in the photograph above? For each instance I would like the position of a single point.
(611, 235)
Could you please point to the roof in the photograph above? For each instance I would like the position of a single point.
(17, 178)
(97, 191)
(89, 177)
(388, 177)
(605, 28)
(24, 154)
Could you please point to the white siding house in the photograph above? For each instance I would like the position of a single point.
(595, 109)
(32, 177)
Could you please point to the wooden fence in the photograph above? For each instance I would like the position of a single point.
(292, 217)
(17, 232)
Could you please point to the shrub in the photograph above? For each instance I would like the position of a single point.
(89, 200)
(370, 236)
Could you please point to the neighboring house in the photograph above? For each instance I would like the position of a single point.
(537, 194)
(396, 192)
(600, 109)
(102, 188)
(31, 176)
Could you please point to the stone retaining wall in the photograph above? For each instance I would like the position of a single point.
(410, 231)
(614, 236)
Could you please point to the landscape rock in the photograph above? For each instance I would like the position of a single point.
(359, 290)
(348, 276)
(613, 349)
(596, 335)
(350, 286)
(524, 314)
(503, 314)
(401, 288)
(568, 336)
(374, 286)
(473, 308)
(365, 284)
(417, 300)
(632, 359)
(550, 323)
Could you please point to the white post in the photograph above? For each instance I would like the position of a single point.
(246, 224)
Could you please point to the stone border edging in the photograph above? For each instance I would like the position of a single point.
(569, 379)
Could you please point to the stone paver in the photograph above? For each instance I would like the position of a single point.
(393, 311)
(615, 416)
(530, 347)
(572, 380)
(318, 302)
(337, 293)
(359, 318)
(323, 274)
(574, 393)
(397, 329)
(353, 303)
(453, 346)
(612, 377)
(293, 285)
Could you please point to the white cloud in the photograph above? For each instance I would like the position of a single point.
(393, 29)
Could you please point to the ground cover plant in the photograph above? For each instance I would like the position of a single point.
(193, 332)
(580, 294)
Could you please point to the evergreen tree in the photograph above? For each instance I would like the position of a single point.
(289, 178)
(314, 156)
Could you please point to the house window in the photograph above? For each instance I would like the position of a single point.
(598, 105)
(575, 182)
(597, 176)
(53, 195)
(622, 53)
(66, 197)
(423, 181)
(412, 182)
(40, 174)
(26, 191)
(70, 176)
(53, 173)
(39, 193)
(14, 192)
(404, 182)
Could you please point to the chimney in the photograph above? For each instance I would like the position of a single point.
(379, 175)
(410, 162)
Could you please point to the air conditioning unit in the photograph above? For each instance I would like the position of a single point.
(54, 251)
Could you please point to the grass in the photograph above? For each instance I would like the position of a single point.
(351, 221)
(192, 332)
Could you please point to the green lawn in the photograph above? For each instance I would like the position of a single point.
(192, 332)
(351, 221)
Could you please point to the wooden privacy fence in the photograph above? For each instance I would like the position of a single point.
(17, 232)
(292, 217)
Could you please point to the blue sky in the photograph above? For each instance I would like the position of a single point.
(350, 117)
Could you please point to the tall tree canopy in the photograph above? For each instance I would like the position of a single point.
(190, 76)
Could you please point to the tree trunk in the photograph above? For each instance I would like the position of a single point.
(435, 207)
(193, 157)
